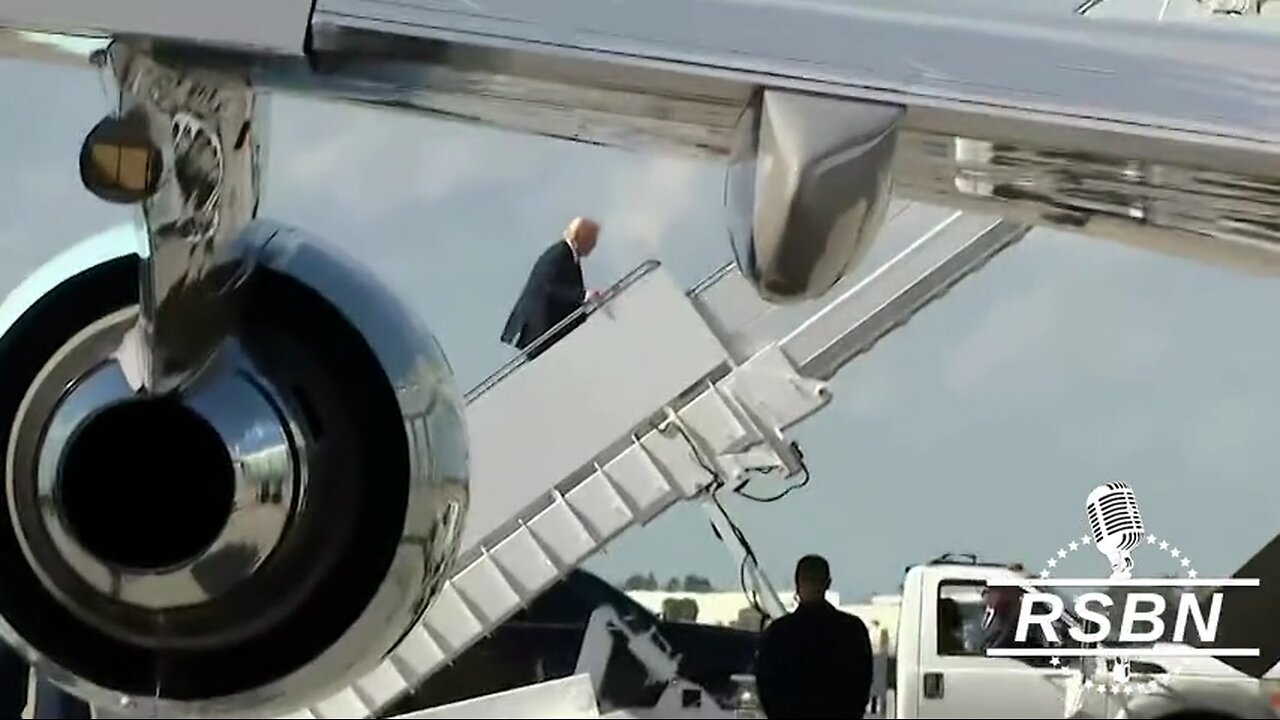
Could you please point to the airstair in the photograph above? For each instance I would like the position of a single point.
(661, 395)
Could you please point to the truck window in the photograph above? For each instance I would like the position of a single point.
(959, 620)
(961, 611)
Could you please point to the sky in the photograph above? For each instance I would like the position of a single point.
(980, 427)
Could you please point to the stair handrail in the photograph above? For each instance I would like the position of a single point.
(606, 296)
(712, 278)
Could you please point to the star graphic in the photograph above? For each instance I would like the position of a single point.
(1151, 539)
(1084, 540)
(1055, 662)
(1185, 562)
(1062, 553)
(1052, 562)
(1074, 546)
(1164, 545)
(1175, 552)
(1044, 574)
(1088, 684)
(1192, 574)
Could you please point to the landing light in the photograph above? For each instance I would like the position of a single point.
(118, 161)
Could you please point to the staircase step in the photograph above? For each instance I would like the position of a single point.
(512, 570)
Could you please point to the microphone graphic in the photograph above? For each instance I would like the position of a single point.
(1116, 527)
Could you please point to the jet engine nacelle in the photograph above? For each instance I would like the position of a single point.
(807, 188)
(251, 541)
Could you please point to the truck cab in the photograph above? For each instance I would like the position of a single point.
(942, 670)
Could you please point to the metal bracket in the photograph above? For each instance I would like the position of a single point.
(759, 400)
(767, 395)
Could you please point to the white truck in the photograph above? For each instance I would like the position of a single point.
(934, 673)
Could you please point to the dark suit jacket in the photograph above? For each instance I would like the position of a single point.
(553, 291)
(815, 663)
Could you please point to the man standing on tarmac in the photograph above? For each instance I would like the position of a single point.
(816, 662)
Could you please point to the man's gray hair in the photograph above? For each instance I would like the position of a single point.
(576, 224)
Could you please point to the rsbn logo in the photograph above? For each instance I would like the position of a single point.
(1116, 530)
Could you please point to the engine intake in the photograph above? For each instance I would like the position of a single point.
(245, 543)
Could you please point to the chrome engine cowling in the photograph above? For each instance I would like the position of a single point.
(250, 540)
(807, 188)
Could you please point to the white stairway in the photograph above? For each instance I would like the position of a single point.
(640, 407)
(562, 463)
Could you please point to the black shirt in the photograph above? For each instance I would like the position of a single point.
(815, 663)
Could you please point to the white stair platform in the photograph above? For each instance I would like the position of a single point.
(571, 697)
(553, 416)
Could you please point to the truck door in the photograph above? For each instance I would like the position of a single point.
(959, 681)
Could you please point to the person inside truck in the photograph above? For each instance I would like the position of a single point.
(1000, 617)
(815, 662)
(1000, 622)
(950, 628)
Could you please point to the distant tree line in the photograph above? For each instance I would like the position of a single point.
(680, 609)
(689, 583)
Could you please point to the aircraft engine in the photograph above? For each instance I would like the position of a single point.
(250, 539)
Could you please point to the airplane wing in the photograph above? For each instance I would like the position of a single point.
(1111, 128)
(1161, 135)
